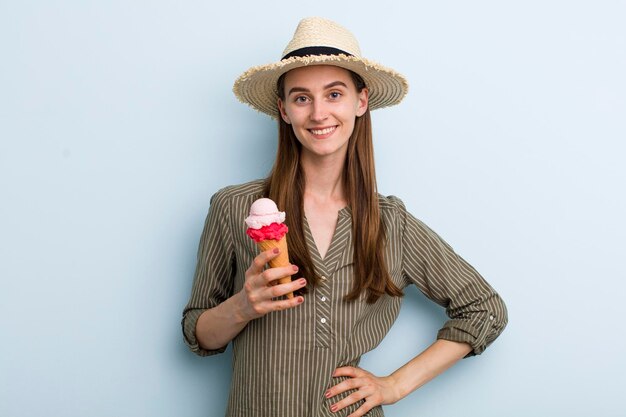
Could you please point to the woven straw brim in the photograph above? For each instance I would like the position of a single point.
(257, 86)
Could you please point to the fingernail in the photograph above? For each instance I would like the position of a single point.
(300, 300)
(302, 281)
(295, 268)
(276, 250)
(327, 394)
(333, 408)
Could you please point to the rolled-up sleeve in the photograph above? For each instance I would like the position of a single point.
(477, 314)
(215, 269)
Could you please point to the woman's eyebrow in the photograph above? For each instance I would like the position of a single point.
(306, 90)
(335, 84)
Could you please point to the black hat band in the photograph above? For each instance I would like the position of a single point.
(315, 50)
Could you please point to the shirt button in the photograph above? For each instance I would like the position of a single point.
(323, 298)
(323, 320)
(322, 278)
(491, 317)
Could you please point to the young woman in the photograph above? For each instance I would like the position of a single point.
(352, 250)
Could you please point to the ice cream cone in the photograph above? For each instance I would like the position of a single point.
(281, 260)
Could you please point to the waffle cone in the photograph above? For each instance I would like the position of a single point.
(281, 260)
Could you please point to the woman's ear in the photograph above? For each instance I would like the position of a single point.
(363, 102)
(281, 110)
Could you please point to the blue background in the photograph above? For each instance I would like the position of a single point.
(117, 124)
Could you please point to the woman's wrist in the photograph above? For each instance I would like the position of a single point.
(401, 386)
(240, 311)
(397, 391)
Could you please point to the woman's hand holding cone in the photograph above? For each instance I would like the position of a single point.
(261, 289)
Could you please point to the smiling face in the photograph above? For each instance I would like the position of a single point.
(321, 104)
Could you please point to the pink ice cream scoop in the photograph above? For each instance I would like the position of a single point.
(265, 222)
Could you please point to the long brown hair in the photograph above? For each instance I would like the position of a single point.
(285, 185)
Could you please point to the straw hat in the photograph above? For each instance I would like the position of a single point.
(319, 41)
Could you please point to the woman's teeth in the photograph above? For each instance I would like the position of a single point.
(323, 131)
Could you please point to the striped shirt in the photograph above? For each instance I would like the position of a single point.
(283, 361)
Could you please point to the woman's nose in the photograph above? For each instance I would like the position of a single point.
(319, 111)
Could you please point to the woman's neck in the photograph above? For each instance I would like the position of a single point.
(324, 179)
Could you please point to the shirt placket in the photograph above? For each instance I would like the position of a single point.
(323, 312)
(324, 294)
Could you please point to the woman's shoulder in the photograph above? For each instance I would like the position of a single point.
(238, 197)
(251, 189)
(394, 213)
(396, 217)
(391, 205)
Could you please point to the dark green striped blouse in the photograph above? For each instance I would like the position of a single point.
(283, 361)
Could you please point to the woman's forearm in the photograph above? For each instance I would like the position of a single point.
(427, 365)
(219, 325)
